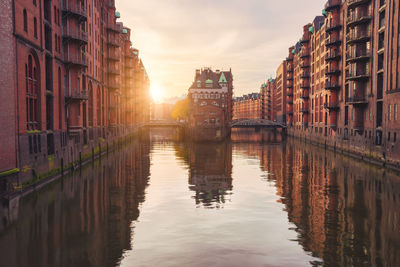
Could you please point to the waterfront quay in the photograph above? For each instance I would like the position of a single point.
(242, 202)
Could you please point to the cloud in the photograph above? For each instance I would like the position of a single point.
(252, 37)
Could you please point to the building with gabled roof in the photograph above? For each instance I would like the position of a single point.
(210, 103)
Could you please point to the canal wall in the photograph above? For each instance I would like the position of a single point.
(385, 155)
(39, 170)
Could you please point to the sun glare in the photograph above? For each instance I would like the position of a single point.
(157, 92)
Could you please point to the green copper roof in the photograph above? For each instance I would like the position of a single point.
(311, 29)
(209, 81)
(222, 79)
(293, 51)
(271, 80)
(117, 15)
(135, 52)
(124, 31)
(324, 12)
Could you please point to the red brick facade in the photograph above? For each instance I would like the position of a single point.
(75, 82)
(210, 104)
(247, 107)
(343, 80)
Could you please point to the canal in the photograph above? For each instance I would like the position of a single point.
(256, 200)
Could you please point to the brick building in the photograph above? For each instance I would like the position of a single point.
(76, 83)
(247, 106)
(268, 91)
(210, 104)
(354, 60)
(343, 80)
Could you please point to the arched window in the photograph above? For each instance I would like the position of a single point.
(25, 21)
(98, 106)
(90, 104)
(60, 98)
(32, 95)
(35, 27)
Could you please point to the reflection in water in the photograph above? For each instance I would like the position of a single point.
(346, 212)
(210, 173)
(81, 220)
(290, 204)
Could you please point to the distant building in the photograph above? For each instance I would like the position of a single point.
(247, 106)
(210, 104)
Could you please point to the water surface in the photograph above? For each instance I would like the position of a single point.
(255, 201)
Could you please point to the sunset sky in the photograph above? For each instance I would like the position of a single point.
(252, 37)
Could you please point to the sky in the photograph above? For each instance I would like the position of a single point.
(176, 37)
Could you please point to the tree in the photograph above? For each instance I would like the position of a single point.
(180, 110)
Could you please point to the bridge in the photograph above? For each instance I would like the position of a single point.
(256, 123)
(242, 123)
(162, 124)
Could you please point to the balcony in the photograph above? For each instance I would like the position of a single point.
(357, 75)
(355, 3)
(333, 56)
(333, 4)
(333, 26)
(78, 11)
(114, 28)
(304, 65)
(304, 110)
(359, 19)
(358, 37)
(75, 35)
(357, 100)
(305, 85)
(113, 42)
(290, 85)
(113, 56)
(332, 41)
(290, 70)
(113, 85)
(304, 94)
(76, 60)
(331, 105)
(304, 53)
(289, 93)
(289, 77)
(305, 75)
(330, 70)
(332, 86)
(305, 40)
(112, 70)
(358, 56)
(76, 95)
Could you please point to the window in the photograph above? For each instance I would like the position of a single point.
(32, 95)
(204, 103)
(389, 112)
(55, 15)
(35, 28)
(395, 112)
(25, 21)
(34, 2)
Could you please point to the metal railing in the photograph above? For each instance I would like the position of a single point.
(75, 34)
(76, 59)
(77, 94)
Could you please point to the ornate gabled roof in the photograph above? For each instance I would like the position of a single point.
(222, 78)
(206, 78)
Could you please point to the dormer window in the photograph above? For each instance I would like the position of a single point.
(198, 83)
(209, 83)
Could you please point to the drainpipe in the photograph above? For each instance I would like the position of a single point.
(18, 156)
